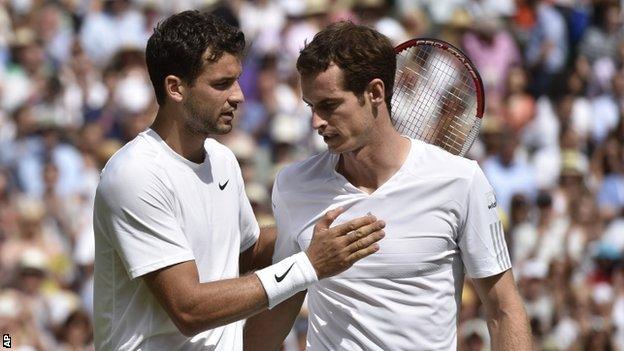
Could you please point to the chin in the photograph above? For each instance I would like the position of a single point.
(207, 131)
(335, 149)
(222, 129)
(342, 148)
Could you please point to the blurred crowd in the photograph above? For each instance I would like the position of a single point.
(74, 89)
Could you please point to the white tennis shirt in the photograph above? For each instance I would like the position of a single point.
(153, 209)
(440, 215)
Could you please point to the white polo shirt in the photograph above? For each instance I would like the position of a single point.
(153, 209)
(440, 215)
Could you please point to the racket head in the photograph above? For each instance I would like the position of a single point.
(438, 95)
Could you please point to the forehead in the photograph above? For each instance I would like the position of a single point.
(227, 65)
(324, 85)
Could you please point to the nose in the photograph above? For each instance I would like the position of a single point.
(317, 121)
(236, 95)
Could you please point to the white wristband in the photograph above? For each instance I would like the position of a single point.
(287, 277)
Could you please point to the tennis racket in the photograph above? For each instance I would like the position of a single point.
(438, 95)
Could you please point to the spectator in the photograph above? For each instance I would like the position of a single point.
(601, 40)
(508, 172)
(547, 49)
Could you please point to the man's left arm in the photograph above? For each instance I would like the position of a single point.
(506, 317)
(486, 258)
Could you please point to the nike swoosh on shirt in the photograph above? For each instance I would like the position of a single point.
(281, 277)
(224, 185)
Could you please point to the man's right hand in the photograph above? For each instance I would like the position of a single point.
(333, 250)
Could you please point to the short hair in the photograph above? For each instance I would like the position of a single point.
(361, 52)
(178, 43)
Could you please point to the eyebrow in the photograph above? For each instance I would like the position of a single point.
(324, 101)
(226, 78)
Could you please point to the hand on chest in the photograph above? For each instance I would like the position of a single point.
(420, 236)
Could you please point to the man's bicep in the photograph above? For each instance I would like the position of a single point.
(172, 286)
(497, 290)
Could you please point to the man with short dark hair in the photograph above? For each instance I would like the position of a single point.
(173, 226)
(439, 209)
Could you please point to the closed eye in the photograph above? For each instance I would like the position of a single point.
(324, 106)
(223, 84)
(328, 106)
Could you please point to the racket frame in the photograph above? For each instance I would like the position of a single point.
(460, 56)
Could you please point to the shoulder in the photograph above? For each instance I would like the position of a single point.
(433, 161)
(134, 167)
(305, 174)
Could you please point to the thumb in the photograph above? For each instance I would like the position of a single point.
(329, 218)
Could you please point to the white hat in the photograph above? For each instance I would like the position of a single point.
(257, 193)
(475, 326)
(534, 269)
(33, 258)
(9, 306)
(602, 293)
(242, 145)
(133, 93)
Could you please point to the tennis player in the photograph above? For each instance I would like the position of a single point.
(172, 219)
(439, 209)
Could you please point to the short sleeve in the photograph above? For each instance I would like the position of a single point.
(134, 210)
(482, 240)
(286, 243)
(249, 229)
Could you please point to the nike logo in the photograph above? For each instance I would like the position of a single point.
(281, 277)
(224, 185)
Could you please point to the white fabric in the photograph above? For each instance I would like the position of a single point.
(154, 209)
(440, 215)
(545, 247)
(547, 164)
(287, 277)
(605, 115)
(617, 315)
(543, 130)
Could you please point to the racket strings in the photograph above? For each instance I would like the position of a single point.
(435, 99)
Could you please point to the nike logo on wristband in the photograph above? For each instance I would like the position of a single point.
(224, 185)
(281, 277)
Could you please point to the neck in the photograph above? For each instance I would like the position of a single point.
(370, 166)
(169, 127)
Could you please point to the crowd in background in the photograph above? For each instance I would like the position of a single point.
(74, 89)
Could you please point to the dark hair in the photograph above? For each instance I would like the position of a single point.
(362, 53)
(178, 43)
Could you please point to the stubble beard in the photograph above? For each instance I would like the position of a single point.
(199, 123)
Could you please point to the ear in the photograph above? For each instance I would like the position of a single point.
(376, 92)
(175, 88)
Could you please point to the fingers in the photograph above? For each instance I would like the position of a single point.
(329, 218)
(364, 231)
(364, 247)
(360, 254)
(353, 225)
(332, 250)
(365, 242)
